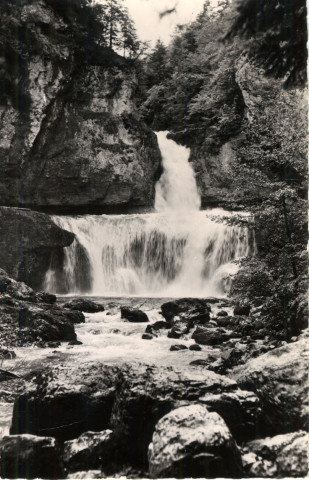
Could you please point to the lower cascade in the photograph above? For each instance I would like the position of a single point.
(177, 251)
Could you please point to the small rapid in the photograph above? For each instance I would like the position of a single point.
(178, 250)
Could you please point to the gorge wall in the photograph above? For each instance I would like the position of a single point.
(70, 133)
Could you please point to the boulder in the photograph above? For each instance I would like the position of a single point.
(279, 378)
(180, 327)
(195, 310)
(210, 336)
(133, 315)
(67, 400)
(239, 409)
(177, 348)
(195, 347)
(191, 442)
(222, 313)
(26, 255)
(29, 456)
(281, 456)
(90, 450)
(147, 336)
(83, 305)
(243, 309)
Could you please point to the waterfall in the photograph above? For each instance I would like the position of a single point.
(177, 251)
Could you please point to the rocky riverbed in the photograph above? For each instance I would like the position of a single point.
(147, 388)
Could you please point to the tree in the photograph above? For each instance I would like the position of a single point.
(277, 34)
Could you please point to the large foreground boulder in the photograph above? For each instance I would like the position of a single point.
(191, 442)
(28, 240)
(280, 380)
(128, 399)
(277, 457)
(28, 456)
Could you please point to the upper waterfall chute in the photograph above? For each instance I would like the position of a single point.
(176, 190)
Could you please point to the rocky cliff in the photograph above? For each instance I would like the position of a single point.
(70, 135)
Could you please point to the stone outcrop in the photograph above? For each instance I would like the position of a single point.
(29, 318)
(29, 456)
(70, 134)
(28, 240)
(89, 451)
(129, 399)
(191, 442)
(277, 457)
(83, 305)
(279, 378)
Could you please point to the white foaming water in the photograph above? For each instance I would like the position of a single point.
(178, 251)
(176, 190)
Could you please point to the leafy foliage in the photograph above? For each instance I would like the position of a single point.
(277, 30)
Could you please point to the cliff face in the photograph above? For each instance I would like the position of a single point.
(70, 135)
(269, 114)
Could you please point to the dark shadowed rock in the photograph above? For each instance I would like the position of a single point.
(90, 450)
(147, 336)
(133, 315)
(67, 400)
(27, 242)
(28, 456)
(191, 442)
(242, 309)
(27, 319)
(195, 310)
(277, 457)
(177, 348)
(210, 336)
(279, 378)
(195, 347)
(45, 297)
(83, 305)
(222, 313)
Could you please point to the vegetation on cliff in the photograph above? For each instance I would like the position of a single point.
(224, 77)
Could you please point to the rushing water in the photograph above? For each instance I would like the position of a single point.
(177, 251)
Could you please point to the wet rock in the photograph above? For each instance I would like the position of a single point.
(145, 394)
(29, 456)
(90, 450)
(6, 354)
(5, 375)
(242, 309)
(26, 320)
(85, 474)
(133, 315)
(27, 256)
(191, 442)
(53, 344)
(195, 310)
(83, 305)
(222, 313)
(179, 329)
(66, 401)
(241, 410)
(159, 325)
(177, 348)
(210, 336)
(279, 378)
(195, 347)
(75, 342)
(147, 336)
(45, 297)
(277, 457)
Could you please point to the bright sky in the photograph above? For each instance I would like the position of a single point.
(145, 14)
